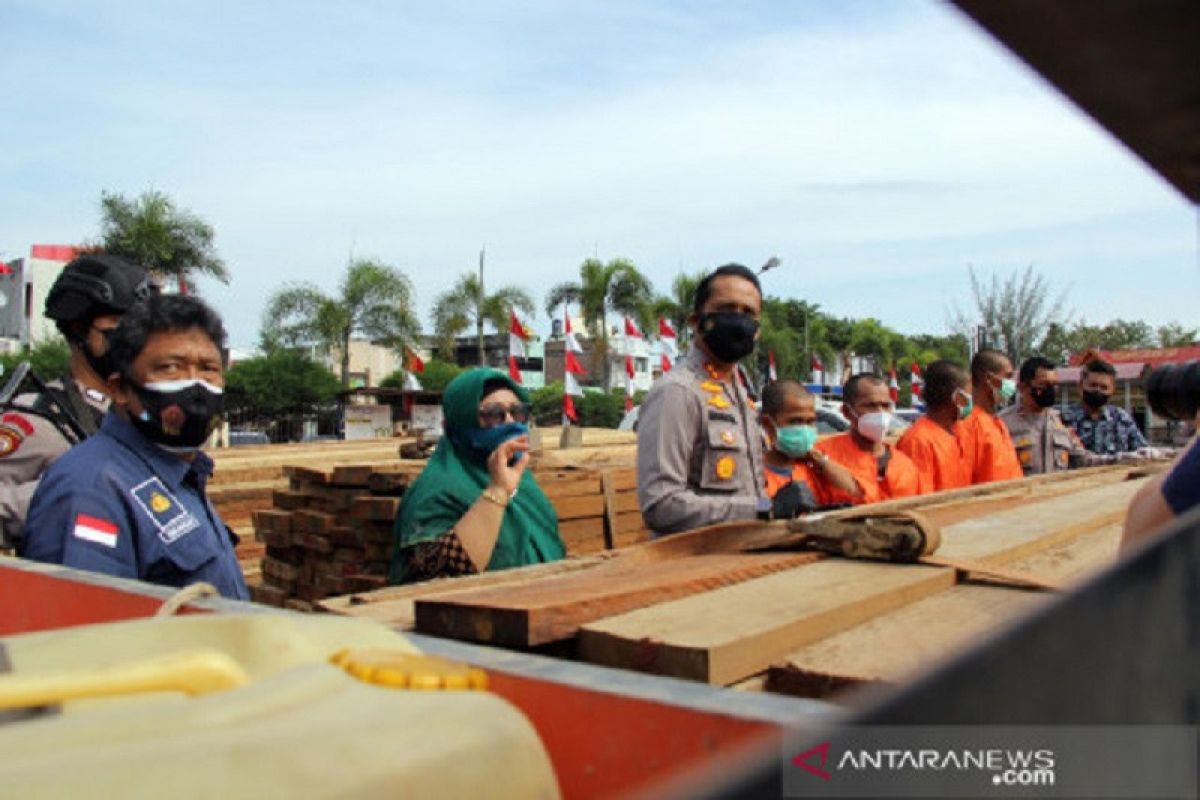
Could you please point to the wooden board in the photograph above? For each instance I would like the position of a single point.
(893, 646)
(554, 608)
(729, 634)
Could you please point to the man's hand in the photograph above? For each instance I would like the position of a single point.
(792, 501)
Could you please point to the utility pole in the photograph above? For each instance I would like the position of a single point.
(479, 305)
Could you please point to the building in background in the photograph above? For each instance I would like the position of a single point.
(24, 285)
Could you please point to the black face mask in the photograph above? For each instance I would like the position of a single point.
(1045, 396)
(179, 415)
(102, 365)
(1095, 399)
(729, 335)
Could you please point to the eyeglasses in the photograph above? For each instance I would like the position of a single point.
(495, 413)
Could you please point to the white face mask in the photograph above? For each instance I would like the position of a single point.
(874, 426)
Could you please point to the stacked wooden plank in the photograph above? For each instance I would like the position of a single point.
(329, 532)
(700, 606)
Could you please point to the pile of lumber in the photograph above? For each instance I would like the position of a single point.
(716, 606)
(329, 532)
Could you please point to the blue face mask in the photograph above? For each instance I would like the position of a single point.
(796, 440)
(484, 440)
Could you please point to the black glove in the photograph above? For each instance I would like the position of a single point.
(792, 501)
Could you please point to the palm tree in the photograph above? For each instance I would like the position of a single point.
(467, 304)
(616, 286)
(172, 243)
(677, 306)
(374, 300)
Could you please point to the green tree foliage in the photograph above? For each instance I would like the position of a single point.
(1015, 311)
(467, 305)
(1175, 335)
(49, 359)
(279, 383)
(596, 409)
(617, 287)
(171, 242)
(374, 300)
(437, 375)
(1063, 341)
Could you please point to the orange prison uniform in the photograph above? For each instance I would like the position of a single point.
(938, 455)
(800, 473)
(988, 448)
(900, 480)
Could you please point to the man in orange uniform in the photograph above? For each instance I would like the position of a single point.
(986, 444)
(793, 468)
(934, 442)
(880, 470)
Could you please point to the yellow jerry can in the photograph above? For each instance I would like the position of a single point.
(255, 705)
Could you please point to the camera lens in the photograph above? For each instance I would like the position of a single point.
(1173, 391)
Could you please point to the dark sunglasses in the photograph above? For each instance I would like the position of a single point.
(495, 413)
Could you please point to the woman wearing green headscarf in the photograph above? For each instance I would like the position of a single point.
(475, 507)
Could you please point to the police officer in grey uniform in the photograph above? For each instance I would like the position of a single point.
(86, 302)
(700, 457)
(1042, 440)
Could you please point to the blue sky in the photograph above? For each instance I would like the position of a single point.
(879, 148)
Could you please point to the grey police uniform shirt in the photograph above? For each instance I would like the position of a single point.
(29, 444)
(1044, 443)
(699, 457)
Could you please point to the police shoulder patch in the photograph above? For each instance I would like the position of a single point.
(13, 430)
(166, 513)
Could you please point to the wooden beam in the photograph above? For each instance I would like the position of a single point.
(554, 608)
(729, 634)
(890, 648)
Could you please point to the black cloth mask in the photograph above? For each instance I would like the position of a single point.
(179, 415)
(1095, 399)
(729, 335)
(1045, 396)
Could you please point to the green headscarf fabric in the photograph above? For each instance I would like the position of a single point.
(456, 476)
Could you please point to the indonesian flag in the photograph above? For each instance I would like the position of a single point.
(816, 364)
(893, 385)
(411, 384)
(5, 269)
(412, 361)
(629, 372)
(918, 381)
(772, 373)
(572, 344)
(666, 335)
(569, 408)
(571, 364)
(628, 403)
(94, 529)
(518, 334)
(571, 385)
(631, 329)
(514, 371)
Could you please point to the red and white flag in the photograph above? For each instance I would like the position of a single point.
(816, 364)
(772, 372)
(631, 329)
(518, 334)
(918, 382)
(629, 373)
(569, 409)
(893, 385)
(94, 529)
(412, 361)
(411, 384)
(571, 343)
(670, 350)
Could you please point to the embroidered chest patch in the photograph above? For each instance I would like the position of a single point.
(170, 518)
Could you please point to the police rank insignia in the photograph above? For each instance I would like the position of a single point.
(725, 467)
(170, 518)
(727, 437)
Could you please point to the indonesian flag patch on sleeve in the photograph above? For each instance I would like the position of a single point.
(94, 529)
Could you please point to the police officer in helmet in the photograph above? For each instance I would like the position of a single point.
(86, 302)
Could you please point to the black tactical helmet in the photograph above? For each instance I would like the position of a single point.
(96, 284)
